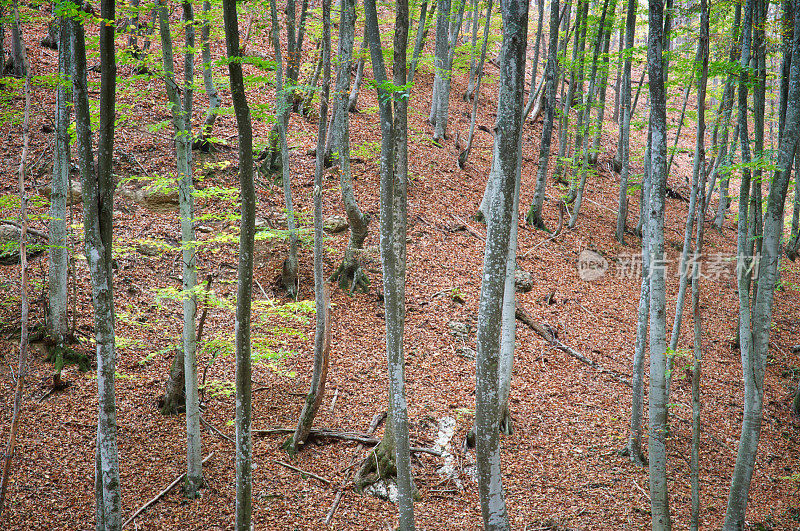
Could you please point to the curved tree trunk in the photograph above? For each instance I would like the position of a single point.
(322, 335)
(755, 327)
(349, 274)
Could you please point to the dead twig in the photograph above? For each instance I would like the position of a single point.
(161, 494)
(469, 229)
(215, 430)
(301, 471)
(523, 316)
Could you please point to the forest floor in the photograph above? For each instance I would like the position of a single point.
(561, 465)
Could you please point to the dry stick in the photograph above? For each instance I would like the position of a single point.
(523, 316)
(470, 229)
(161, 494)
(23, 339)
(215, 430)
(301, 471)
(340, 491)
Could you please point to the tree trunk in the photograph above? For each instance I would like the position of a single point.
(244, 441)
(475, 91)
(506, 155)
(289, 273)
(58, 264)
(755, 333)
(394, 175)
(420, 39)
(440, 57)
(181, 121)
(625, 127)
(353, 99)
(349, 274)
(322, 335)
(581, 159)
(208, 79)
(97, 192)
(534, 216)
(659, 494)
(700, 163)
(17, 44)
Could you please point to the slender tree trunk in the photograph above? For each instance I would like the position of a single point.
(17, 44)
(475, 92)
(344, 58)
(534, 216)
(440, 56)
(625, 127)
(659, 493)
(754, 332)
(58, 263)
(322, 335)
(581, 159)
(507, 160)
(353, 99)
(208, 79)
(97, 194)
(22, 365)
(594, 152)
(696, 278)
(684, 268)
(244, 442)
(394, 167)
(181, 120)
(289, 273)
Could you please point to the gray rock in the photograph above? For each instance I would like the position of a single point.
(9, 244)
(523, 281)
(75, 196)
(457, 329)
(335, 224)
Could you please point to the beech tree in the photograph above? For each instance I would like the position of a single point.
(244, 289)
(322, 335)
(98, 188)
(755, 314)
(60, 196)
(657, 452)
(534, 216)
(506, 154)
(182, 125)
(393, 106)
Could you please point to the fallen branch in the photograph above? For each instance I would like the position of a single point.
(37, 233)
(215, 430)
(301, 471)
(526, 319)
(470, 229)
(376, 420)
(562, 210)
(161, 494)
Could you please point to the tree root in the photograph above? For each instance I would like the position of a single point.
(379, 465)
(351, 277)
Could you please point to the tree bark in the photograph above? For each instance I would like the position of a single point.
(625, 127)
(182, 125)
(58, 263)
(534, 216)
(244, 440)
(506, 154)
(322, 335)
(393, 172)
(754, 333)
(659, 493)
